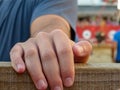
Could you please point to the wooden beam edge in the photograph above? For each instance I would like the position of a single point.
(94, 75)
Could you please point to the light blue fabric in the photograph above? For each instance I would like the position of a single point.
(117, 39)
(16, 17)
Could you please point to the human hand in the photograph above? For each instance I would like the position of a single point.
(49, 59)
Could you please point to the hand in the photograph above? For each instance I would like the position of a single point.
(49, 59)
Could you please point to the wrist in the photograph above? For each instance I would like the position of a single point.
(49, 23)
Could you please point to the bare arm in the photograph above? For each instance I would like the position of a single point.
(113, 49)
(49, 53)
(48, 23)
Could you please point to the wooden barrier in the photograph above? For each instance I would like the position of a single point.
(97, 76)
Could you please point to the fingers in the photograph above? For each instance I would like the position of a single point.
(81, 51)
(16, 56)
(65, 57)
(33, 64)
(49, 61)
(48, 58)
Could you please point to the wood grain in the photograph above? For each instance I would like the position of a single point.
(99, 76)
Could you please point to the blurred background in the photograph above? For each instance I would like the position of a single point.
(98, 20)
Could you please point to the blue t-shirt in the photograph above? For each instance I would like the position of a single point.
(117, 39)
(16, 17)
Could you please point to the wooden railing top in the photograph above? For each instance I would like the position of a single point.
(109, 65)
(91, 76)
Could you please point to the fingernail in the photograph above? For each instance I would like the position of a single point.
(68, 82)
(20, 67)
(57, 88)
(80, 49)
(41, 85)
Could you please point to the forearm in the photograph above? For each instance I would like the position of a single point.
(48, 23)
(113, 49)
(112, 52)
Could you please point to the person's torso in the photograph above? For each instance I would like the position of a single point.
(15, 17)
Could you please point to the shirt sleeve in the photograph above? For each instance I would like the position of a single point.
(64, 8)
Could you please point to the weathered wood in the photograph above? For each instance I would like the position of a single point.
(102, 46)
(88, 77)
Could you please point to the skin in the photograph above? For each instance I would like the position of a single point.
(113, 49)
(49, 54)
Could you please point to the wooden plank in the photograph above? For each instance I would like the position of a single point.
(97, 76)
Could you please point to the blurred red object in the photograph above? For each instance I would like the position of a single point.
(92, 30)
(110, 1)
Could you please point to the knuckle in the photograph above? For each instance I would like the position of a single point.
(15, 58)
(48, 55)
(42, 34)
(64, 51)
(31, 40)
(56, 32)
(30, 52)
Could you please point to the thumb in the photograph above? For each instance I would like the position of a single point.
(82, 51)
